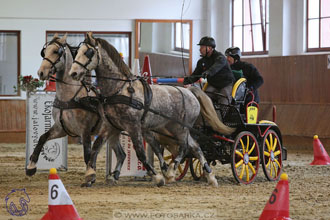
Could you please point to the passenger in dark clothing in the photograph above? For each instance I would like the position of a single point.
(213, 66)
(250, 72)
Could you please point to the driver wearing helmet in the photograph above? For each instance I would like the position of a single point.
(250, 72)
(213, 66)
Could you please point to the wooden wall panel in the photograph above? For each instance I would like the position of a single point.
(12, 115)
(294, 79)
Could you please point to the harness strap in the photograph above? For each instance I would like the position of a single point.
(122, 99)
(87, 103)
(64, 128)
(147, 98)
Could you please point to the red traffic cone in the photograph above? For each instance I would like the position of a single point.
(50, 85)
(321, 157)
(277, 208)
(60, 205)
(146, 70)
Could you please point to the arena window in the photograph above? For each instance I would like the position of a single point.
(181, 41)
(120, 40)
(318, 25)
(250, 26)
(9, 62)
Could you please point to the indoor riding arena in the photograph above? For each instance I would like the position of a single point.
(177, 109)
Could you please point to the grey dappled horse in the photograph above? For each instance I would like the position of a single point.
(132, 105)
(73, 112)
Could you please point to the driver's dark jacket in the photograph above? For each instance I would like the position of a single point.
(219, 74)
(252, 75)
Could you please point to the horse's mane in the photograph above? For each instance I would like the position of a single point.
(115, 56)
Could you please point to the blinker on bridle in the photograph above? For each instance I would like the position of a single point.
(59, 52)
(90, 52)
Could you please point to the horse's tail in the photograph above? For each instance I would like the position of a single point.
(209, 113)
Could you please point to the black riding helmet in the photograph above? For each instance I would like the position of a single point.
(207, 41)
(234, 52)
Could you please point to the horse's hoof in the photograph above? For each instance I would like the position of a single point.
(161, 183)
(112, 181)
(30, 172)
(170, 180)
(86, 184)
(159, 179)
(90, 178)
(116, 175)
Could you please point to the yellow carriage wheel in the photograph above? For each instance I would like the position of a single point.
(245, 158)
(196, 169)
(272, 155)
(182, 168)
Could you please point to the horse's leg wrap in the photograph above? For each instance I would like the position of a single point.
(207, 168)
(116, 174)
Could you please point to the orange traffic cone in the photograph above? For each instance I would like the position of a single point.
(60, 205)
(321, 157)
(277, 208)
(146, 70)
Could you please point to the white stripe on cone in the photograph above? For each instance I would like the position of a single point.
(60, 205)
(57, 194)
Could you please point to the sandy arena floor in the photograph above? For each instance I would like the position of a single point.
(187, 199)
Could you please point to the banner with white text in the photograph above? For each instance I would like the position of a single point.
(38, 121)
(132, 166)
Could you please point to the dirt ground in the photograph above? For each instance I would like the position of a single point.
(187, 199)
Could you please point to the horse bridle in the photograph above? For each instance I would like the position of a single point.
(60, 52)
(90, 52)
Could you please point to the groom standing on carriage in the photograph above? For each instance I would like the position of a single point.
(214, 66)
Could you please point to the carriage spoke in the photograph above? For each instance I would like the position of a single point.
(271, 168)
(252, 148)
(271, 140)
(242, 172)
(247, 174)
(277, 153)
(268, 147)
(252, 168)
(247, 144)
(242, 145)
(278, 164)
(275, 143)
(254, 158)
(275, 169)
(198, 167)
(267, 165)
(180, 168)
(266, 153)
(239, 163)
(239, 153)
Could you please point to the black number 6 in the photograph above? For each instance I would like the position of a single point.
(272, 198)
(53, 192)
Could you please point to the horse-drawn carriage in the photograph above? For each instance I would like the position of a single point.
(128, 103)
(253, 142)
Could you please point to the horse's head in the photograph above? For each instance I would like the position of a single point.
(86, 58)
(53, 59)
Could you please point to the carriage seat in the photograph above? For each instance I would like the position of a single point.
(248, 111)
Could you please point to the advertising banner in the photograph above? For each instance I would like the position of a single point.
(38, 121)
(132, 166)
